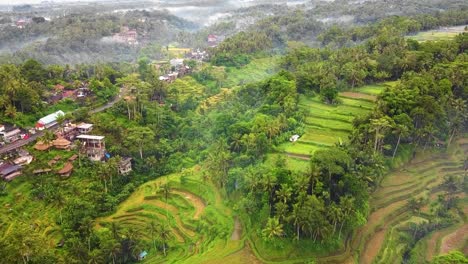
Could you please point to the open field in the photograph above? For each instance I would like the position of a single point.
(439, 34)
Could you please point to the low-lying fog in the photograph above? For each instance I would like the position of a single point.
(205, 12)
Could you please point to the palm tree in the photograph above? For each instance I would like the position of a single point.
(269, 183)
(60, 120)
(296, 217)
(115, 251)
(335, 215)
(284, 193)
(281, 210)
(47, 137)
(347, 205)
(166, 190)
(379, 126)
(273, 229)
(115, 229)
(95, 257)
(153, 229)
(164, 233)
(314, 174)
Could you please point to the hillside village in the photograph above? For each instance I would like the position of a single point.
(55, 131)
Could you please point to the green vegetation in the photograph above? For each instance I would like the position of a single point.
(440, 34)
(214, 179)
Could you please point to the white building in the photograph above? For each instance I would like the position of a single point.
(49, 120)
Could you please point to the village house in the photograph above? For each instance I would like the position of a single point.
(21, 23)
(23, 158)
(212, 40)
(82, 92)
(85, 128)
(49, 120)
(93, 147)
(197, 55)
(10, 134)
(8, 171)
(176, 63)
(125, 166)
(127, 36)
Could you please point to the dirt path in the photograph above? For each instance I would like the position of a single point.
(237, 233)
(195, 200)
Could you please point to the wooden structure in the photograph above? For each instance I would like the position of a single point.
(41, 171)
(41, 146)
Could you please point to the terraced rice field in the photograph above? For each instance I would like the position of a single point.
(256, 70)
(378, 241)
(201, 225)
(327, 125)
(185, 87)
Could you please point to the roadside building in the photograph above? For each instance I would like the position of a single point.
(11, 134)
(49, 120)
(8, 171)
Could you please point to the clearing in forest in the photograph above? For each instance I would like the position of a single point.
(443, 33)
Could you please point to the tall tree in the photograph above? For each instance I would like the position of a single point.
(140, 137)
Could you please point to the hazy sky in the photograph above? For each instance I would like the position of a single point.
(16, 2)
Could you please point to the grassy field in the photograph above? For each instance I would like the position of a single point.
(438, 34)
(256, 70)
(201, 225)
(327, 125)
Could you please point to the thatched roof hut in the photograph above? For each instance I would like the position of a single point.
(66, 170)
(61, 143)
(41, 146)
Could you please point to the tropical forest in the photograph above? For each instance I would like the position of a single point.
(222, 131)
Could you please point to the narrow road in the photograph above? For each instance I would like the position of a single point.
(23, 142)
(109, 104)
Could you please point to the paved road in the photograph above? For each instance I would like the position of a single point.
(22, 142)
(109, 104)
